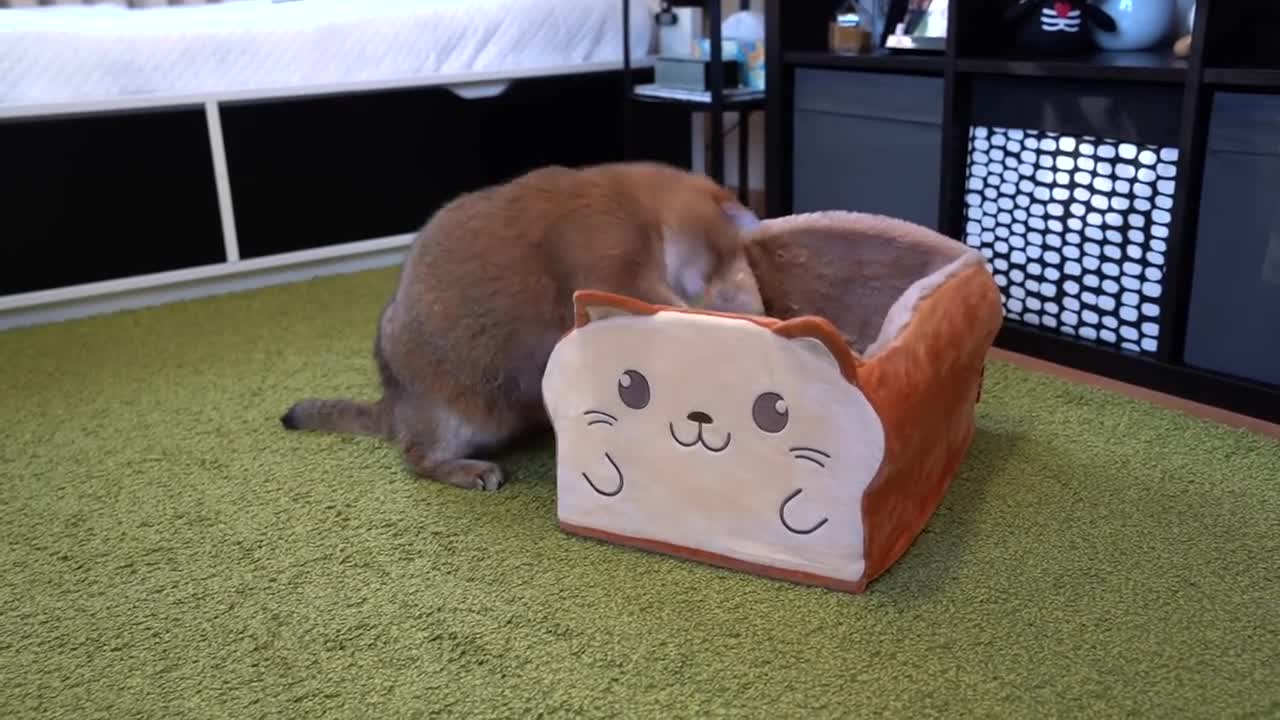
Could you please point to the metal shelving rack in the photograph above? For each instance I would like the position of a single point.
(716, 107)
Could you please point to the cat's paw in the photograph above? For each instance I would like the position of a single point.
(473, 475)
(467, 474)
(489, 479)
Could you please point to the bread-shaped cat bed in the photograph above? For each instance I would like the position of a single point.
(812, 445)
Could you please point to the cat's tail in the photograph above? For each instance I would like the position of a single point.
(351, 417)
(339, 416)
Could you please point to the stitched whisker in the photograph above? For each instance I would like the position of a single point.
(813, 450)
(815, 461)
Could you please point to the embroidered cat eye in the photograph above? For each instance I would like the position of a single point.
(770, 412)
(633, 390)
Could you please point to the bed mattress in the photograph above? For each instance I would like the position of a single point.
(103, 52)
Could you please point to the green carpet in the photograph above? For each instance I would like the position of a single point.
(169, 551)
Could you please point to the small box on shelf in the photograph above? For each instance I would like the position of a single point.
(848, 31)
(678, 30)
(694, 73)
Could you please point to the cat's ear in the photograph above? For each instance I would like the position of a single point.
(740, 216)
(593, 305)
(816, 348)
(821, 339)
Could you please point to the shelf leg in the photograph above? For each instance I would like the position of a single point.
(715, 164)
(717, 92)
(744, 157)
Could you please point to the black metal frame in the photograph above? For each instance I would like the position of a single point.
(715, 108)
(795, 40)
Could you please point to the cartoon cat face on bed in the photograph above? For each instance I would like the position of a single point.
(712, 431)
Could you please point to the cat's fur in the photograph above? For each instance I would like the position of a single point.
(487, 290)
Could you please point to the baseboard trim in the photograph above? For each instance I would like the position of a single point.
(1164, 400)
(146, 291)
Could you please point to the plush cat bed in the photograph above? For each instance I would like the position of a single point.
(812, 445)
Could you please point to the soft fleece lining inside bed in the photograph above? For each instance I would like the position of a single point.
(865, 273)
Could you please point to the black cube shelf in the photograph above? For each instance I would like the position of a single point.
(1130, 231)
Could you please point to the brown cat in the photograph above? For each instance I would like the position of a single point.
(487, 290)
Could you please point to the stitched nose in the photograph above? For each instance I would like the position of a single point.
(699, 417)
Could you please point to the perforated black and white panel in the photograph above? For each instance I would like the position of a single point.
(1075, 229)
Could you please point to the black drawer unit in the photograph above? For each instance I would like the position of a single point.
(869, 142)
(313, 172)
(1233, 323)
(106, 196)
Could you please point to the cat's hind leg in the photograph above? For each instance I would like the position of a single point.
(435, 443)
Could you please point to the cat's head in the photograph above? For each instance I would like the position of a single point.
(705, 230)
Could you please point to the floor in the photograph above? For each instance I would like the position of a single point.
(170, 551)
(1171, 402)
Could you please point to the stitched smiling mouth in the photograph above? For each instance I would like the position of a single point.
(782, 515)
(701, 419)
(617, 470)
